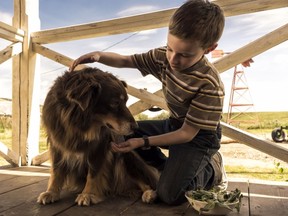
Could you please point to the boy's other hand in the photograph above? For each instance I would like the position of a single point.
(87, 58)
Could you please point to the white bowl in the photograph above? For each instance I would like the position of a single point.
(217, 210)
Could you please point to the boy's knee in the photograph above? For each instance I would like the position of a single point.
(170, 196)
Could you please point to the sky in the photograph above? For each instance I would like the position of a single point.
(266, 79)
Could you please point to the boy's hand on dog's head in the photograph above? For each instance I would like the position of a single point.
(87, 58)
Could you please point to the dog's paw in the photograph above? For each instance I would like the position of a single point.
(48, 197)
(149, 196)
(85, 199)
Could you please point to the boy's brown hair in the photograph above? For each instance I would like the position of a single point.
(199, 20)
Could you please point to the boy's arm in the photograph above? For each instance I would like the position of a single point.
(107, 58)
(185, 134)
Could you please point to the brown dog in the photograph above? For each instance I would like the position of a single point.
(82, 113)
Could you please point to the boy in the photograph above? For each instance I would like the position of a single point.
(194, 94)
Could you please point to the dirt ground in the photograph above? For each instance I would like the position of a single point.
(236, 154)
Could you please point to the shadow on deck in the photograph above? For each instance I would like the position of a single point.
(20, 187)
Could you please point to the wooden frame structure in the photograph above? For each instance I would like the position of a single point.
(27, 41)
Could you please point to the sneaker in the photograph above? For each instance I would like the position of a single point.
(220, 178)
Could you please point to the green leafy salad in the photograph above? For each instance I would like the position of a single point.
(216, 197)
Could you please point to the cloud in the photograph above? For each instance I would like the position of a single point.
(137, 10)
(5, 66)
(260, 23)
(100, 45)
(6, 17)
(146, 35)
(148, 32)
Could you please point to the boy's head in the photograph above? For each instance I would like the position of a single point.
(198, 20)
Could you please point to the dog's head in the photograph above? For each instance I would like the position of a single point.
(99, 97)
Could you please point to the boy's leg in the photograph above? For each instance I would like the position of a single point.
(187, 168)
(220, 179)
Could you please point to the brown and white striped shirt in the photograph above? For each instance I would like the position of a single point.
(194, 95)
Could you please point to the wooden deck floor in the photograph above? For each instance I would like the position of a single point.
(19, 188)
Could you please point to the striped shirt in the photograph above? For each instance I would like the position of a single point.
(194, 95)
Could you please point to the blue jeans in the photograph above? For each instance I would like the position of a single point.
(188, 165)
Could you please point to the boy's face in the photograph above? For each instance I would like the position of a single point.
(182, 54)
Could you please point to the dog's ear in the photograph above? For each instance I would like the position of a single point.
(84, 92)
(124, 83)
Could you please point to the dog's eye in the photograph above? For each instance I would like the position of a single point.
(114, 104)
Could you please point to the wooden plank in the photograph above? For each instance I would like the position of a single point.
(26, 85)
(104, 28)
(269, 198)
(143, 22)
(10, 51)
(9, 155)
(110, 206)
(238, 7)
(41, 158)
(11, 33)
(252, 49)
(255, 142)
(11, 173)
(147, 97)
(159, 209)
(20, 190)
(16, 107)
(141, 106)
(21, 179)
(23, 201)
(54, 56)
(242, 185)
(20, 88)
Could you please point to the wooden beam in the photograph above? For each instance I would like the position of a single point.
(104, 28)
(19, 108)
(9, 155)
(141, 22)
(54, 56)
(11, 33)
(252, 49)
(255, 142)
(147, 97)
(41, 158)
(10, 51)
(26, 85)
(141, 106)
(239, 7)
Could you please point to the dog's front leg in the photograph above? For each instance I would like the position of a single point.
(149, 196)
(54, 188)
(92, 193)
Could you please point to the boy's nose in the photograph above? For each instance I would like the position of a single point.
(174, 59)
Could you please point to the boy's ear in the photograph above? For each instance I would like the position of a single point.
(210, 49)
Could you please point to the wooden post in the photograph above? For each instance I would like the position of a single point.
(26, 85)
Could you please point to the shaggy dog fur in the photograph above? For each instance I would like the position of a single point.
(82, 113)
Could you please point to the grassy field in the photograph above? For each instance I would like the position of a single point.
(266, 121)
(263, 173)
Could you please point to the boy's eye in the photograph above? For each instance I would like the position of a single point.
(186, 55)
